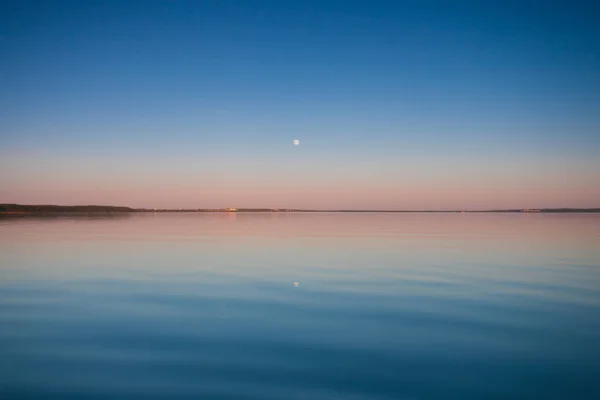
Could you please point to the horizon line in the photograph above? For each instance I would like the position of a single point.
(270, 209)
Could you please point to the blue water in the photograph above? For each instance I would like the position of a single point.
(386, 306)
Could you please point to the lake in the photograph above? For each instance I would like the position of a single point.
(300, 306)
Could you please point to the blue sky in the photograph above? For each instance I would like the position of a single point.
(387, 97)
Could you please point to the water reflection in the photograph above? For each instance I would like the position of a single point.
(388, 306)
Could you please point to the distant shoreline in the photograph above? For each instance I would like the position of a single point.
(21, 209)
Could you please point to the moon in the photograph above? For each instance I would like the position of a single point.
(296, 142)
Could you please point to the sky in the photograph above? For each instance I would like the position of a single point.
(397, 104)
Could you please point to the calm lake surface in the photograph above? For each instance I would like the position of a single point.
(387, 306)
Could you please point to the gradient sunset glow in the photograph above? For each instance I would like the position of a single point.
(397, 105)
